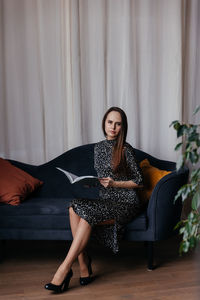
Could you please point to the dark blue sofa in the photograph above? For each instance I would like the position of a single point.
(44, 216)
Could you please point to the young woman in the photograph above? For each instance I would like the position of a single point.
(118, 204)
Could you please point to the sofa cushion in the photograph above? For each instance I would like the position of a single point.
(15, 184)
(151, 177)
(37, 206)
(139, 223)
(47, 213)
(36, 213)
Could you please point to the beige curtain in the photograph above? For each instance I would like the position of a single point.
(191, 61)
(63, 63)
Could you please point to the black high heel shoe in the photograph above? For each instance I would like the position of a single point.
(63, 286)
(88, 279)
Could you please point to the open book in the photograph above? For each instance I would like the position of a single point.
(86, 180)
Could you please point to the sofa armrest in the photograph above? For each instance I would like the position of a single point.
(162, 213)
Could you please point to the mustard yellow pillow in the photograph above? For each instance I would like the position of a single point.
(151, 176)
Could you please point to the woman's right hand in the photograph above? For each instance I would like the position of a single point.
(107, 182)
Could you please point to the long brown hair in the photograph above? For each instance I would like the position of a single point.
(118, 158)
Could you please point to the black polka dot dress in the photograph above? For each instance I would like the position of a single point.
(120, 204)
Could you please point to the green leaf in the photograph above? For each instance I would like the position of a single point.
(191, 216)
(188, 228)
(177, 126)
(181, 129)
(183, 192)
(185, 246)
(196, 200)
(179, 163)
(192, 241)
(193, 188)
(182, 230)
(173, 123)
(181, 248)
(178, 146)
(186, 234)
(193, 156)
(195, 174)
(193, 137)
(188, 147)
(178, 195)
(178, 225)
(196, 110)
(191, 130)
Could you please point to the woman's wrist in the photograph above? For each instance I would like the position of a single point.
(109, 182)
(114, 183)
(119, 184)
(124, 184)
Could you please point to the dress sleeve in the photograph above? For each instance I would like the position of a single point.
(134, 171)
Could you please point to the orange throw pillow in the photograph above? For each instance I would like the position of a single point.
(151, 176)
(15, 184)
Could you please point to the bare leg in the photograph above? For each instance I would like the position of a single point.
(79, 243)
(83, 263)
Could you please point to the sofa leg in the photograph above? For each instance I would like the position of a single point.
(2, 249)
(150, 255)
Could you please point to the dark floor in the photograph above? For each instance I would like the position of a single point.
(28, 265)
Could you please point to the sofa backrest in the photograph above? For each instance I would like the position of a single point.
(80, 161)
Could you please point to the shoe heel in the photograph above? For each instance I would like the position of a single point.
(67, 281)
(62, 287)
(87, 280)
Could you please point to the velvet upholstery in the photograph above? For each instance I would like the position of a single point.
(44, 216)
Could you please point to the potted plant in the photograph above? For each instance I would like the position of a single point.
(190, 156)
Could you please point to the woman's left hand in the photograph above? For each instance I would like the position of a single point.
(107, 182)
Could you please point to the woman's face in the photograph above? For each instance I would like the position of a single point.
(113, 125)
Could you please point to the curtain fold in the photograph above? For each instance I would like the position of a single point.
(64, 62)
(191, 76)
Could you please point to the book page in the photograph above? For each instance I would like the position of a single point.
(84, 177)
(88, 179)
(70, 176)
